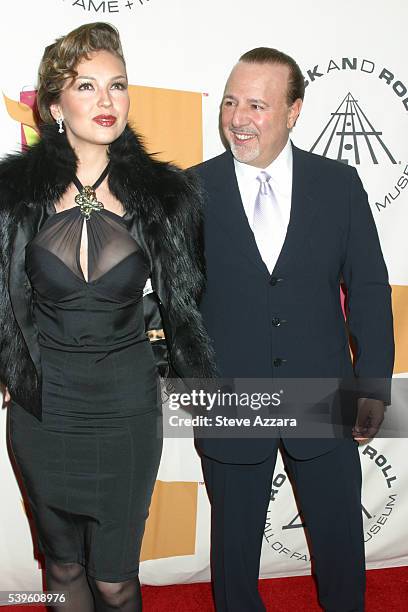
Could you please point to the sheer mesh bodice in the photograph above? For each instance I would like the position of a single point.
(94, 350)
(108, 241)
(98, 307)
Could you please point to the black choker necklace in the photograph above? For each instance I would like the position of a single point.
(86, 198)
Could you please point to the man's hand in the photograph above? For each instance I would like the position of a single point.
(370, 415)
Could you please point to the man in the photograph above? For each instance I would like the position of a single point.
(283, 228)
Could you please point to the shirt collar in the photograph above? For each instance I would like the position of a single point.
(280, 169)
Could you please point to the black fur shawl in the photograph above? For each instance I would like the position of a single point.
(166, 211)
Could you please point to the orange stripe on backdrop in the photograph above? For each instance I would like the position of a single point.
(171, 526)
(170, 121)
(19, 111)
(400, 311)
(171, 124)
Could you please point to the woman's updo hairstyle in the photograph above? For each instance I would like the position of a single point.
(61, 58)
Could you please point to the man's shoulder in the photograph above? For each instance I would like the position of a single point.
(214, 166)
(224, 162)
(324, 165)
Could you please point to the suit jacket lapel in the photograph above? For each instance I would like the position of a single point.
(231, 215)
(304, 206)
(230, 212)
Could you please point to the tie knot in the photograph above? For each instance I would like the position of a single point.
(263, 177)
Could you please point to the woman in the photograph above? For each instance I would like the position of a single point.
(86, 217)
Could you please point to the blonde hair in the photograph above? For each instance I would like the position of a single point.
(61, 58)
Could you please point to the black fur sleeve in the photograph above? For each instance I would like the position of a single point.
(179, 276)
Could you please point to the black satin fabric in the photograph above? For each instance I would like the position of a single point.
(89, 467)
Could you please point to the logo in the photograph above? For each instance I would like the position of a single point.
(357, 112)
(286, 538)
(104, 7)
(284, 527)
(349, 129)
(379, 499)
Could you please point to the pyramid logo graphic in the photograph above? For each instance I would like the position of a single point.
(349, 135)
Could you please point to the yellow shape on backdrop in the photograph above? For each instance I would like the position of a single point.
(400, 311)
(171, 526)
(31, 135)
(170, 122)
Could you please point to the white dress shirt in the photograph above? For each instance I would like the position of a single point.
(280, 171)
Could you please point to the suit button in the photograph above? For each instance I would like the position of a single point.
(276, 321)
(278, 361)
(274, 280)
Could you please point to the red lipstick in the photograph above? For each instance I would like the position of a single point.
(105, 120)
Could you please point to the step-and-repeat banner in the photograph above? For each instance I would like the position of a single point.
(179, 54)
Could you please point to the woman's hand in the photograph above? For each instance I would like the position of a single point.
(6, 395)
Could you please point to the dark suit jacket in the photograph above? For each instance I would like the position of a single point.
(290, 323)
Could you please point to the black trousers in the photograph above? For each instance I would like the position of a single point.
(328, 489)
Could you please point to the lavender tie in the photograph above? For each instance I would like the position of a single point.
(267, 224)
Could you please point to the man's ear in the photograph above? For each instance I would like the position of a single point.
(293, 113)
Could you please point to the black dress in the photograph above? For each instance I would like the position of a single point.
(89, 467)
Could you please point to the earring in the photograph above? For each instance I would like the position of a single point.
(59, 123)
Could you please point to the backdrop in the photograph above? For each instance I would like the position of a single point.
(179, 54)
